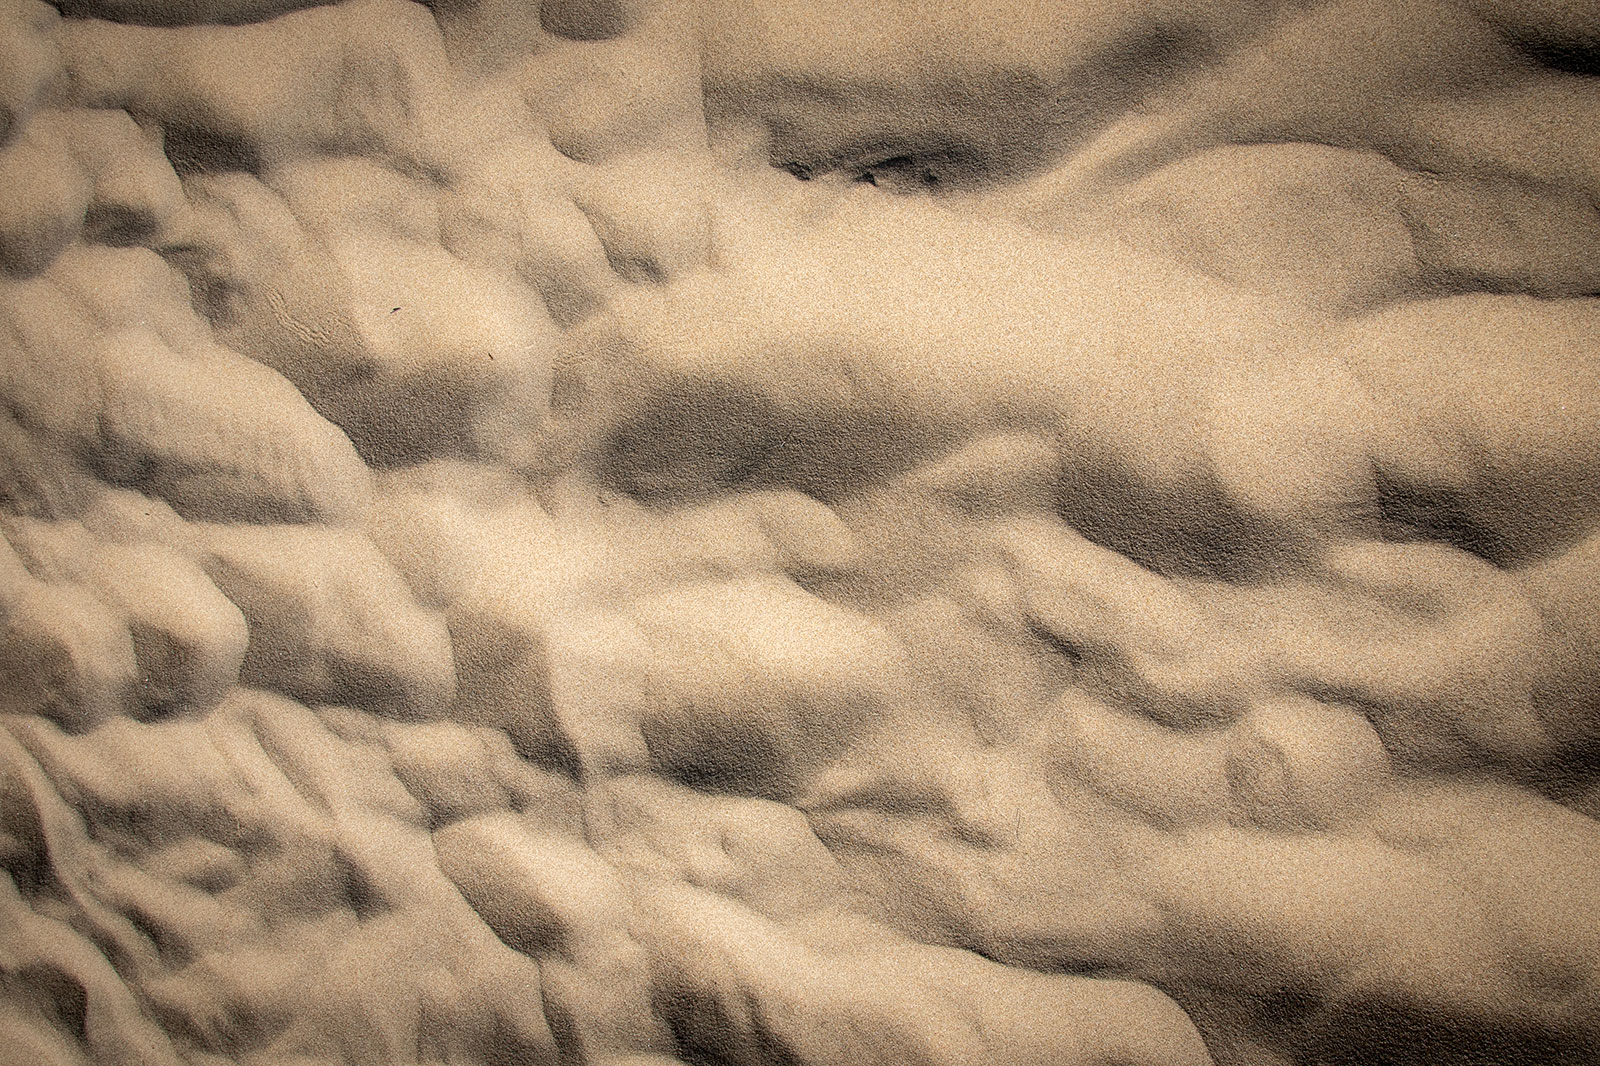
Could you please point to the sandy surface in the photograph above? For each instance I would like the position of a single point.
(752, 532)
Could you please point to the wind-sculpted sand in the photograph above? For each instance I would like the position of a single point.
(626, 532)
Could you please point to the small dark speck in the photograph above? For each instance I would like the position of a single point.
(392, 310)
